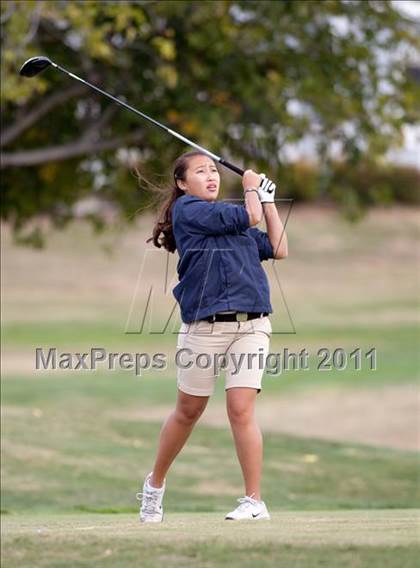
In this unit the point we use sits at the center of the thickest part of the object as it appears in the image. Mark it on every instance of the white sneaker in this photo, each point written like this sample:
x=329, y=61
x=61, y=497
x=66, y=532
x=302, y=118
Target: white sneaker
x=249, y=508
x=151, y=510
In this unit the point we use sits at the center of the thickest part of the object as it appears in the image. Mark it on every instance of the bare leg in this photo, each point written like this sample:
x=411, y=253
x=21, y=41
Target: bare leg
x=175, y=432
x=240, y=403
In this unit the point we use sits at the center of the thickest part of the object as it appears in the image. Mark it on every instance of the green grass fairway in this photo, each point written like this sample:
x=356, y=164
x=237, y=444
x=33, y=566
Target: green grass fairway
x=371, y=538
x=73, y=444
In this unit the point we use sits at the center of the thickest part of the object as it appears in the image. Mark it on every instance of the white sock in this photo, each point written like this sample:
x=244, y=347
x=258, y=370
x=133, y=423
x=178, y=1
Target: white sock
x=154, y=488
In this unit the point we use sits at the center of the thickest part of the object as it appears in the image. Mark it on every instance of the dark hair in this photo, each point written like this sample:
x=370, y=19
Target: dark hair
x=163, y=225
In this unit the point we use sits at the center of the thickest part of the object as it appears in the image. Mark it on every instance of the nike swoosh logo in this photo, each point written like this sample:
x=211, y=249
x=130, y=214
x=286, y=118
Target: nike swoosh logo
x=257, y=515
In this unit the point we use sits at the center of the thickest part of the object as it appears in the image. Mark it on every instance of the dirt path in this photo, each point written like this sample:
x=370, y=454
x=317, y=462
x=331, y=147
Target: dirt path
x=381, y=417
x=386, y=416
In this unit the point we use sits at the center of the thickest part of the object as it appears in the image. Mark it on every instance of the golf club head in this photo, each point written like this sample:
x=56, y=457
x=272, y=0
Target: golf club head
x=34, y=65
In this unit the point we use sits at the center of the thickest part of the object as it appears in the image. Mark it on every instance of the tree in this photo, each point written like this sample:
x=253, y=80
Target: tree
x=242, y=78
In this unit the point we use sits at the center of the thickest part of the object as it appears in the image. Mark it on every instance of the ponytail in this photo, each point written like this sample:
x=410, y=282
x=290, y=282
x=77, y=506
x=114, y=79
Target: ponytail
x=163, y=225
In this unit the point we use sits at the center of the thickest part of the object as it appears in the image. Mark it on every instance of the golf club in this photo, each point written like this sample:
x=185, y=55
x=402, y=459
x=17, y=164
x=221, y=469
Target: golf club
x=35, y=65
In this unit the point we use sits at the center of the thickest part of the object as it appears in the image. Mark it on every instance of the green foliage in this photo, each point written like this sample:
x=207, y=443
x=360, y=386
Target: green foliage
x=300, y=180
x=356, y=187
x=404, y=184
x=352, y=187
x=228, y=74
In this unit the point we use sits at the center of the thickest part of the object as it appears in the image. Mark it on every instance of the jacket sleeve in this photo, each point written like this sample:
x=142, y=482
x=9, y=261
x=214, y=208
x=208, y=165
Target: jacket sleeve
x=218, y=218
x=265, y=248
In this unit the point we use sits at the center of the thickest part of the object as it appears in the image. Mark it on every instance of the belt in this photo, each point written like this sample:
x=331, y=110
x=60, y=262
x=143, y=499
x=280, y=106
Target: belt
x=237, y=316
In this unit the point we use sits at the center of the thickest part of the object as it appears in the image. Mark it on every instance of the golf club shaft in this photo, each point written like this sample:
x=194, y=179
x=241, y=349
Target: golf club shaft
x=219, y=159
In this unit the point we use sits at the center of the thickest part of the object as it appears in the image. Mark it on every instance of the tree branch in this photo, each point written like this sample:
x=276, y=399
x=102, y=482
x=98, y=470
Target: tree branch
x=66, y=151
x=8, y=13
x=35, y=19
x=12, y=132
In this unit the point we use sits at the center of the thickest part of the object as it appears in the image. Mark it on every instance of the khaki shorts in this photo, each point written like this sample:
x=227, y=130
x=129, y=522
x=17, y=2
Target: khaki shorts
x=205, y=350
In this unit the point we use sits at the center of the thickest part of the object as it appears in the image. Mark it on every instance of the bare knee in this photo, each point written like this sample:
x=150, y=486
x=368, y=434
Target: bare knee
x=187, y=412
x=240, y=414
x=188, y=415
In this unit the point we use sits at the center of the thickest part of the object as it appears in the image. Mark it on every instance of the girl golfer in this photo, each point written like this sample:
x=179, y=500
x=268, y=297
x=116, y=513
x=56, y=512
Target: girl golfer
x=224, y=299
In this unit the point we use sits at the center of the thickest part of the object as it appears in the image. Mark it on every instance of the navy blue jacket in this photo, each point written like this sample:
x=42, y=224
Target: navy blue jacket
x=220, y=256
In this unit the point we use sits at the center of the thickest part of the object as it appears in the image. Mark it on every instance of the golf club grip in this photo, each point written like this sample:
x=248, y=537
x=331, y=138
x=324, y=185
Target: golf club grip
x=231, y=167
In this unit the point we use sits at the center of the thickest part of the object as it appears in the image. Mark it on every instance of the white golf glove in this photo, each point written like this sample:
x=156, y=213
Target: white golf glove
x=266, y=190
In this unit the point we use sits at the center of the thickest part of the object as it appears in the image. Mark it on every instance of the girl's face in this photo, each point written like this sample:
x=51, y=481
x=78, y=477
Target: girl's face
x=201, y=178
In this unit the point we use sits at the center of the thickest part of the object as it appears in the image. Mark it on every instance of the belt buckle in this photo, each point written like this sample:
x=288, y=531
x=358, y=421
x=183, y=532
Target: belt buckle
x=241, y=316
